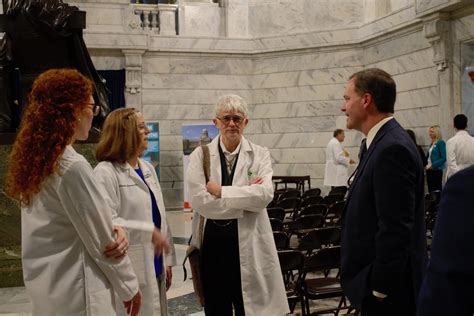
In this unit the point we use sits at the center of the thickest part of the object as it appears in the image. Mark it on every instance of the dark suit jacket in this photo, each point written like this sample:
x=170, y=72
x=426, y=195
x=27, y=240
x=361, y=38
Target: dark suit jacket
x=384, y=236
x=448, y=288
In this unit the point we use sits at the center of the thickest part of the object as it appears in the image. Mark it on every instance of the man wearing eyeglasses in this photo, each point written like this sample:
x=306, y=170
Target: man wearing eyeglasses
x=241, y=273
x=383, y=248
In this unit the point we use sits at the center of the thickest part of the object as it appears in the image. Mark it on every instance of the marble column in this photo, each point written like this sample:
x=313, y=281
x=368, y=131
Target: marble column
x=133, y=77
x=437, y=30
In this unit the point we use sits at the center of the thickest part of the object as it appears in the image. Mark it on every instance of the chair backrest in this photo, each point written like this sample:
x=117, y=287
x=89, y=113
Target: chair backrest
x=333, y=198
x=281, y=240
x=312, y=199
x=289, y=193
x=290, y=204
x=338, y=190
x=335, y=211
x=311, y=192
x=314, y=209
x=324, y=259
x=306, y=222
x=318, y=238
x=276, y=212
x=277, y=225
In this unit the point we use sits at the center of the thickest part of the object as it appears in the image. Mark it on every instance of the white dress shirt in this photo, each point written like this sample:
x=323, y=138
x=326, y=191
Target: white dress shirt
x=460, y=150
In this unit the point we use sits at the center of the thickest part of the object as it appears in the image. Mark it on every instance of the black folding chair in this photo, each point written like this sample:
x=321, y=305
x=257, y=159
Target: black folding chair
x=311, y=192
x=292, y=264
x=277, y=225
x=276, y=212
x=281, y=240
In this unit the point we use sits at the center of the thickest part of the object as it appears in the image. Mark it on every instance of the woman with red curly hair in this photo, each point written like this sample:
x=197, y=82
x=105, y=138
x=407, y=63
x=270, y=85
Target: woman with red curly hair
x=66, y=222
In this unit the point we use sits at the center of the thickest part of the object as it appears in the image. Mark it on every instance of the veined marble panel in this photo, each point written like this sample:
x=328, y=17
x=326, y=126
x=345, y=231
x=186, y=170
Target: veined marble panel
x=297, y=109
x=392, y=21
x=286, y=17
x=298, y=94
x=110, y=40
x=201, y=44
x=423, y=78
x=417, y=98
x=200, y=20
x=410, y=62
x=303, y=140
x=306, y=40
x=298, y=155
x=102, y=62
x=299, y=169
x=192, y=81
x=395, y=47
x=423, y=6
x=303, y=77
x=179, y=112
x=186, y=96
x=291, y=125
x=427, y=116
x=463, y=28
x=171, y=174
x=237, y=19
x=310, y=60
x=171, y=142
x=197, y=64
x=171, y=158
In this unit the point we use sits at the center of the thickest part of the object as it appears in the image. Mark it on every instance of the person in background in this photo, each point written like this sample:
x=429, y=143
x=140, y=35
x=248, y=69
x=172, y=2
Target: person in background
x=436, y=159
x=383, y=246
x=132, y=185
x=460, y=147
x=66, y=222
x=447, y=288
x=337, y=161
x=420, y=150
x=240, y=267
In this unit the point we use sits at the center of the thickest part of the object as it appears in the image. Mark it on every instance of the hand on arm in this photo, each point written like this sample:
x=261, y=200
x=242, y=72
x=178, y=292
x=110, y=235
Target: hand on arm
x=118, y=248
x=214, y=189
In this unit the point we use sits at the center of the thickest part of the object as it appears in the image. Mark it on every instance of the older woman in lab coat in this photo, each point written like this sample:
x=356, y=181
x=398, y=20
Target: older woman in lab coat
x=66, y=223
x=240, y=267
x=132, y=184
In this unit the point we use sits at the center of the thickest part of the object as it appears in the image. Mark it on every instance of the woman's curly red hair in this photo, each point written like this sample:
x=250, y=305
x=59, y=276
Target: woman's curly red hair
x=55, y=103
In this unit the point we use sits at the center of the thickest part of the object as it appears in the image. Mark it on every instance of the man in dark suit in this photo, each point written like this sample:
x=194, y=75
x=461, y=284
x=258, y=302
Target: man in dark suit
x=383, y=251
x=448, y=286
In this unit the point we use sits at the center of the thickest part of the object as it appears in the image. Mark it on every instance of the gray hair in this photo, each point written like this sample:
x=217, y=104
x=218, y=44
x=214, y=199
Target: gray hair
x=231, y=103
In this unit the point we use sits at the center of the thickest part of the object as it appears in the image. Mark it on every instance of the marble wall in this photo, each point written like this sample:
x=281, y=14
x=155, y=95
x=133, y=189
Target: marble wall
x=290, y=60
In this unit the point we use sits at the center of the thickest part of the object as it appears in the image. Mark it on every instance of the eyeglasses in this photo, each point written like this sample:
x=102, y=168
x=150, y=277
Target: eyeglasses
x=237, y=119
x=95, y=108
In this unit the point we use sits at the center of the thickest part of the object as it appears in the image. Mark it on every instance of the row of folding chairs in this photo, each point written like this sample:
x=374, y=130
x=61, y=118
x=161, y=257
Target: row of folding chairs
x=309, y=239
x=303, y=286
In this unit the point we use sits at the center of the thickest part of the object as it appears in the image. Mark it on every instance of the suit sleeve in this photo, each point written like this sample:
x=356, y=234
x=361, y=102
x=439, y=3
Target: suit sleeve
x=395, y=182
x=447, y=288
x=91, y=216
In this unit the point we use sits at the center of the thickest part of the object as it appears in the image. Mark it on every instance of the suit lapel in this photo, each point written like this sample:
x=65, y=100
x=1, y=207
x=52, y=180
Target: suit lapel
x=378, y=137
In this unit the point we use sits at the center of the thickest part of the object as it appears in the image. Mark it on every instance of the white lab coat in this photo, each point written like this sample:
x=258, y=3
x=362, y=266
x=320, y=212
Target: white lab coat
x=263, y=290
x=65, y=230
x=460, y=152
x=132, y=209
x=335, y=172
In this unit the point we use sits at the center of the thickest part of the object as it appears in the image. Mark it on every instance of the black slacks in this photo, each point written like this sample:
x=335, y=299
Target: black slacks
x=434, y=179
x=221, y=269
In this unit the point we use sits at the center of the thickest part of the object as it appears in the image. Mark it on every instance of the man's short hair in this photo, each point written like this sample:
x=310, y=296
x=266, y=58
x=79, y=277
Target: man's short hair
x=337, y=132
x=380, y=85
x=460, y=121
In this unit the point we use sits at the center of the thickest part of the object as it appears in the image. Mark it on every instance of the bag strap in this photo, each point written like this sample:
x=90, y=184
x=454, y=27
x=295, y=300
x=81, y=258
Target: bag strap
x=206, y=165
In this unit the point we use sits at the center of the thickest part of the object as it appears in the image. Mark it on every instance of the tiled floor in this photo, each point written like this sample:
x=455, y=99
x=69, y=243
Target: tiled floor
x=15, y=302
